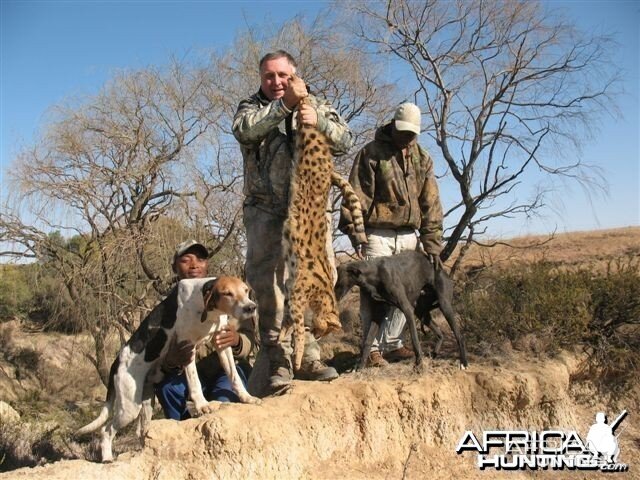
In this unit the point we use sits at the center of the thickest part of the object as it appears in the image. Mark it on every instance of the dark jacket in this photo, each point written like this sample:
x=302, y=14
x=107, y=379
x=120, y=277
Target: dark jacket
x=396, y=192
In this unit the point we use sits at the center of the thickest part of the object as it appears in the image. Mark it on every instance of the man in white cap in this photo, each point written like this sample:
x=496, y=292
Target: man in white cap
x=394, y=179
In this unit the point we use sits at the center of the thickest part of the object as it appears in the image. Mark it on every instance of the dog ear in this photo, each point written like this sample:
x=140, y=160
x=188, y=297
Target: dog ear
x=348, y=275
x=375, y=294
x=210, y=297
x=353, y=270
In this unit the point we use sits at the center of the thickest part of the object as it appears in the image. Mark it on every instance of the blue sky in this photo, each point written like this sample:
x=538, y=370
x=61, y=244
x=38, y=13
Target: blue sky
x=53, y=49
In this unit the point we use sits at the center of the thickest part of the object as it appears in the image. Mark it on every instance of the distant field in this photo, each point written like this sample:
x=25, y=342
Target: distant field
x=590, y=249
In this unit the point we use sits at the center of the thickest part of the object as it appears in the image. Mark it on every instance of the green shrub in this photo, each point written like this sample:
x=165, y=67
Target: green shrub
x=598, y=312
x=15, y=294
x=613, y=339
x=528, y=300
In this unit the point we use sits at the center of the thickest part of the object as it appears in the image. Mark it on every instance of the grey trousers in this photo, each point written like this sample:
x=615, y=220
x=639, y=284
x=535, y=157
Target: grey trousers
x=266, y=274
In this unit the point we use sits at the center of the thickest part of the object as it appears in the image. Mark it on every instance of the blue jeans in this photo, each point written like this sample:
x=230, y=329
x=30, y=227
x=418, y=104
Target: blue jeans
x=173, y=392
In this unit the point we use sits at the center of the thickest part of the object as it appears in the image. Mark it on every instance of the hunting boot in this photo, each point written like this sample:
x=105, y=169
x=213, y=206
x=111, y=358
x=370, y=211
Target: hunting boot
x=398, y=355
x=316, y=370
x=312, y=367
x=376, y=360
x=280, y=371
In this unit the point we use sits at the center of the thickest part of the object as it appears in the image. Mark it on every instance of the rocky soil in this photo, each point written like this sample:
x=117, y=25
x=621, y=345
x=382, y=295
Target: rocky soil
x=384, y=424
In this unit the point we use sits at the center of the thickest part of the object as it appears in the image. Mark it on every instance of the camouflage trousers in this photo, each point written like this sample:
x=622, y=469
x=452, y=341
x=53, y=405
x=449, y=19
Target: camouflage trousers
x=266, y=274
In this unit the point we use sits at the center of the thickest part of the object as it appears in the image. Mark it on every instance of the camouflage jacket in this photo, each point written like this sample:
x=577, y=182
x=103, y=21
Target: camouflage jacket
x=396, y=194
x=261, y=125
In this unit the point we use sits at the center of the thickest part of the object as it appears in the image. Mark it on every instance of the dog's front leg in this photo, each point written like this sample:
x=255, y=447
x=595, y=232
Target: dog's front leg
x=407, y=309
x=229, y=365
x=374, y=327
x=452, y=319
x=200, y=403
x=230, y=368
x=433, y=326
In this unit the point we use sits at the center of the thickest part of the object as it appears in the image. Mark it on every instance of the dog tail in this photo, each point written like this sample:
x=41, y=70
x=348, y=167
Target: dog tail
x=108, y=404
x=97, y=423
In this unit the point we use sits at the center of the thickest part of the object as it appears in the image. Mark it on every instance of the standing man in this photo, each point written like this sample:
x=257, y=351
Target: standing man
x=393, y=177
x=191, y=260
x=264, y=127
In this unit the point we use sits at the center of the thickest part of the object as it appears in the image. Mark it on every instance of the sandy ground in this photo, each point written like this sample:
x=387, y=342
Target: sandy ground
x=380, y=424
x=390, y=423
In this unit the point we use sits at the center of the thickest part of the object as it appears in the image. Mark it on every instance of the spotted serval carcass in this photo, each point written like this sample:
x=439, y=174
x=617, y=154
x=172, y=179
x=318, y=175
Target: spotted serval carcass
x=310, y=271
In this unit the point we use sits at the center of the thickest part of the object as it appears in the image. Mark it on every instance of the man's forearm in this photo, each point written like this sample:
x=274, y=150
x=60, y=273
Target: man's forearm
x=252, y=124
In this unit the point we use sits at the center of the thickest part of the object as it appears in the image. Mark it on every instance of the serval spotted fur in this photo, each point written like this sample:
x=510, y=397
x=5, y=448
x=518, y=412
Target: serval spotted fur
x=310, y=270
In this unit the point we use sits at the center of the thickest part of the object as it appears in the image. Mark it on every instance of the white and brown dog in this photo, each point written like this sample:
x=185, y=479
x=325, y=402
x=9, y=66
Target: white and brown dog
x=194, y=311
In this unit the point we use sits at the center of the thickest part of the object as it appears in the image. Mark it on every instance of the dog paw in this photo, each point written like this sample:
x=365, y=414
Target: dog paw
x=208, y=408
x=421, y=367
x=251, y=399
x=203, y=409
x=463, y=367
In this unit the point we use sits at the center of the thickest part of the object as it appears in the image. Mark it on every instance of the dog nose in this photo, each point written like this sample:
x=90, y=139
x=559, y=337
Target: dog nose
x=249, y=308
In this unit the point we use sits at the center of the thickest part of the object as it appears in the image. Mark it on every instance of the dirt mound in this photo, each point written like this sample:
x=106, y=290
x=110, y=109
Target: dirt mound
x=33, y=361
x=389, y=423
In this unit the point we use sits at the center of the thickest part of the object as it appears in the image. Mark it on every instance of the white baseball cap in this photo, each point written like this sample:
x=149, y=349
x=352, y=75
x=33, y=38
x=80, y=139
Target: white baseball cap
x=407, y=118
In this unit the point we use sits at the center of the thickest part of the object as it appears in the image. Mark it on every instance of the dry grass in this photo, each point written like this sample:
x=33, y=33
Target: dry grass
x=592, y=249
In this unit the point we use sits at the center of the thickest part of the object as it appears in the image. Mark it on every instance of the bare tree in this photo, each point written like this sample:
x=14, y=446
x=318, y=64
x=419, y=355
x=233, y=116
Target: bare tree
x=151, y=160
x=506, y=85
x=129, y=174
